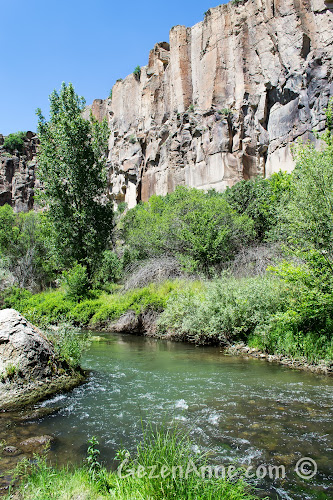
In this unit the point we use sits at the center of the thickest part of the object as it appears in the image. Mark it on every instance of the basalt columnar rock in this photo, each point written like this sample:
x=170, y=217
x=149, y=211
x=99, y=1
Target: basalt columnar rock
x=223, y=101
x=29, y=367
x=17, y=174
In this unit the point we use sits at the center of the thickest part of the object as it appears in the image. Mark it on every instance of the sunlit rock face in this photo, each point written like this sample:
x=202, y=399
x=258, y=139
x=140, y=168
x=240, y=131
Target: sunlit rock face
x=223, y=101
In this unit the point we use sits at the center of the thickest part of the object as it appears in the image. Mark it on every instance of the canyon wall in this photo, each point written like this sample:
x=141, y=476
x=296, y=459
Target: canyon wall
x=223, y=101
x=17, y=174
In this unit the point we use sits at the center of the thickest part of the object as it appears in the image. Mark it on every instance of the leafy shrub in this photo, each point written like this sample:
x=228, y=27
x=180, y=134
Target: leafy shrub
x=55, y=307
x=260, y=200
x=223, y=310
x=14, y=297
x=137, y=72
x=7, y=231
x=305, y=327
x=26, y=248
x=44, y=308
x=306, y=221
x=14, y=142
x=305, y=224
x=152, y=297
x=82, y=312
x=283, y=335
x=76, y=282
x=109, y=270
x=200, y=229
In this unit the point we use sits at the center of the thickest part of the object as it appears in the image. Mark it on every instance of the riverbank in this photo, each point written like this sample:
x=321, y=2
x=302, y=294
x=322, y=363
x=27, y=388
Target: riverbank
x=248, y=317
x=241, y=349
x=237, y=410
x=147, y=324
x=164, y=466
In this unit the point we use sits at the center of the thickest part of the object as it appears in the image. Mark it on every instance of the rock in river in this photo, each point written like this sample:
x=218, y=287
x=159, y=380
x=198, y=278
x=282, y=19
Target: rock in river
x=29, y=367
x=35, y=443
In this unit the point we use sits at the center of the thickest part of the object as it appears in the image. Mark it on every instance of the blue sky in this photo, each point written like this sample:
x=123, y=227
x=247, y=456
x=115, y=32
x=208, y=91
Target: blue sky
x=89, y=43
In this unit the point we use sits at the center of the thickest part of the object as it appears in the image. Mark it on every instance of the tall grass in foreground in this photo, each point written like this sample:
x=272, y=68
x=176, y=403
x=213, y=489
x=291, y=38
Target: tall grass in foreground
x=162, y=450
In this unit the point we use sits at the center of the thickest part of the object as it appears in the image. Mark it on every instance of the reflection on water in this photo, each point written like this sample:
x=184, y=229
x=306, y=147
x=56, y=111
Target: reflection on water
x=248, y=411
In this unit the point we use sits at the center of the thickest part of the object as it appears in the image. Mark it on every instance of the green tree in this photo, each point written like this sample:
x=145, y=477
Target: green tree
x=71, y=167
x=25, y=248
x=260, y=200
x=307, y=219
x=200, y=228
x=306, y=226
x=137, y=72
x=14, y=142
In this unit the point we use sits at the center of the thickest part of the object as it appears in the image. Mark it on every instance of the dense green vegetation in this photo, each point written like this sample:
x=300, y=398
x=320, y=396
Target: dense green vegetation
x=201, y=229
x=26, y=250
x=80, y=256
x=95, y=310
x=71, y=167
x=167, y=451
x=260, y=199
x=14, y=142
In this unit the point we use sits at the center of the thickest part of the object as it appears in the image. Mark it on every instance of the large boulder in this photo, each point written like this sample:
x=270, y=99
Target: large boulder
x=29, y=367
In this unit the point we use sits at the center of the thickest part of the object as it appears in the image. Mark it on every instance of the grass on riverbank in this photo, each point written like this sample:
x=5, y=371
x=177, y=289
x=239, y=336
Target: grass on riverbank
x=278, y=316
x=96, y=310
x=167, y=451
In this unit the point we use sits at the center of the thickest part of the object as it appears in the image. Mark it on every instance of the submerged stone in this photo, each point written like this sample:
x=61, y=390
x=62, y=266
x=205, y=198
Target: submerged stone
x=34, y=443
x=11, y=450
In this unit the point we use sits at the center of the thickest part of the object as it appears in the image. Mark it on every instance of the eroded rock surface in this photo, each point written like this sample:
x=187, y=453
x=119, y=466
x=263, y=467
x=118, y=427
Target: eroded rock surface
x=17, y=175
x=220, y=102
x=223, y=101
x=29, y=368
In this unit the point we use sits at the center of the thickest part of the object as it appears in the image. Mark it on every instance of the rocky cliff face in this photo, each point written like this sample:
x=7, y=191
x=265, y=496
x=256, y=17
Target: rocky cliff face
x=17, y=175
x=223, y=101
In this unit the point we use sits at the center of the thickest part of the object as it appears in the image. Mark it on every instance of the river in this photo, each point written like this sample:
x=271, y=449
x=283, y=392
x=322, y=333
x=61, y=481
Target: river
x=245, y=411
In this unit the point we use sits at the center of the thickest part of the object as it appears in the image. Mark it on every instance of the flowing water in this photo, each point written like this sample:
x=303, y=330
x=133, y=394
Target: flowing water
x=245, y=411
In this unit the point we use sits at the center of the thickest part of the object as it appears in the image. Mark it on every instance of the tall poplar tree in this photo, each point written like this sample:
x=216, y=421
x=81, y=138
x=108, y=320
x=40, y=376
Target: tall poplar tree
x=72, y=171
